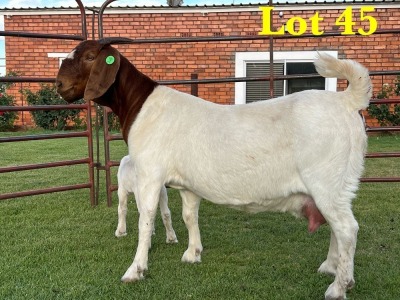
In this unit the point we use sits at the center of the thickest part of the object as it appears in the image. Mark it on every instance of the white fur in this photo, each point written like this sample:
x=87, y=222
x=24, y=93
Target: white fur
x=71, y=55
x=266, y=156
x=126, y=186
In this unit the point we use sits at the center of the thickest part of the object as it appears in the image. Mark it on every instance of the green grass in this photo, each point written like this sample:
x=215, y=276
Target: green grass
x=56, y=246
x=383, y=167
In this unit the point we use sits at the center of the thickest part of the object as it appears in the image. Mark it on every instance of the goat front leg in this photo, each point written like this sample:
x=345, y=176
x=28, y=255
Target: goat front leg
x=122, y=210
x=190, y=214
x=166, y=217
x=148, y=208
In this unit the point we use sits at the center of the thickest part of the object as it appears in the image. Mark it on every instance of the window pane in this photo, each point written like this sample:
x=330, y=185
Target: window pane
x=259, y=90
x=298, y=85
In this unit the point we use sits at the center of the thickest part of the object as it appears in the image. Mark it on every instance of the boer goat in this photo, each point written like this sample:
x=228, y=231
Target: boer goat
x=127, y=185
x=302, y=153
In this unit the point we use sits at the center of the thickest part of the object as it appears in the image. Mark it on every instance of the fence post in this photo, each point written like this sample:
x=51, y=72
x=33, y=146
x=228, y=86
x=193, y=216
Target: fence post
x=194, y=90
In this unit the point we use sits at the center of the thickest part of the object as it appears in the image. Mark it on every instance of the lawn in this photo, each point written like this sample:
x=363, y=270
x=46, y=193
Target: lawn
x=56, y=246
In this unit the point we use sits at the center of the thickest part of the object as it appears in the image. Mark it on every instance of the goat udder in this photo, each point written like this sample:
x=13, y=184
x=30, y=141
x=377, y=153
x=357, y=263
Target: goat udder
x=314, y=216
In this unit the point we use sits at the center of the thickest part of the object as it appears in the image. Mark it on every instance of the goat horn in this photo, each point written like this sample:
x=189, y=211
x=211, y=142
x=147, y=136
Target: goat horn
x=115, y=40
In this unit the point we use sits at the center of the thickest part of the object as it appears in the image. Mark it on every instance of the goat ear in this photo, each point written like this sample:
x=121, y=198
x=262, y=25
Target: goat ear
x=103, y=73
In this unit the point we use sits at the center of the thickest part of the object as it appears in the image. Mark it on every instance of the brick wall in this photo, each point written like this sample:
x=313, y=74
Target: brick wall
x=29, y=56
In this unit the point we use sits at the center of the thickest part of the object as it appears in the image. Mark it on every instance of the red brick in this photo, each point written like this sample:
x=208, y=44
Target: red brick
x=215, y=59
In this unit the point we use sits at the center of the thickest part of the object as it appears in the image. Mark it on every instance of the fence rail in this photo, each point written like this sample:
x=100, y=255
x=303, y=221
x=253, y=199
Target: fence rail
x=45, y=165
x=87, y=133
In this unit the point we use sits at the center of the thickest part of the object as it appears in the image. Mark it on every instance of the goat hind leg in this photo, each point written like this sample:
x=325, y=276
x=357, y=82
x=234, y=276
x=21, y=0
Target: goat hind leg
x=329, y=266
x=166, y=217
x=346, y=234
x=122, y=210
x=344, y=228
x=190, y=214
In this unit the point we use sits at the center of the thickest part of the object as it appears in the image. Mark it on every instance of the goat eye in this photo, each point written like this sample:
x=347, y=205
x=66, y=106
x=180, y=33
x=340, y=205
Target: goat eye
x=90, y=57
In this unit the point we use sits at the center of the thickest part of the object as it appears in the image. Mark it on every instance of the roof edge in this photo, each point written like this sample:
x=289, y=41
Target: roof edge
x=307, y=5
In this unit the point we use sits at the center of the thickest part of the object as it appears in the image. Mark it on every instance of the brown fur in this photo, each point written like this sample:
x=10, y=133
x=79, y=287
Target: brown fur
x=119, y=85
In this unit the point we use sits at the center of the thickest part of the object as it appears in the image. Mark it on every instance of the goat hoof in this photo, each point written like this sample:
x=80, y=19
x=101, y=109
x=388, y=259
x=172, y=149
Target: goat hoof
x=119, y=234
x=172, y=240
x=351, y=284
x=334, y=298
x=126, y=279
x=334, y=293
x=191, y=257
x=134, y=273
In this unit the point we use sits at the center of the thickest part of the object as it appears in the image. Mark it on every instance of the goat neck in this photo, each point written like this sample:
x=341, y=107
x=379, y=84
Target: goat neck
x=127, y=95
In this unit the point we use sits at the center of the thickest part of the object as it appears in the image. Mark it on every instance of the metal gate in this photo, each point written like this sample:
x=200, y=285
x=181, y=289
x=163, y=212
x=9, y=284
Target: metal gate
x=87, y=133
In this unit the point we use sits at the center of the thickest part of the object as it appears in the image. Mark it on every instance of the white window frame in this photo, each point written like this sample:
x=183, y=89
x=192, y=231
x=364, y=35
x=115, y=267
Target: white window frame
x=242, y=58
x=60, y=55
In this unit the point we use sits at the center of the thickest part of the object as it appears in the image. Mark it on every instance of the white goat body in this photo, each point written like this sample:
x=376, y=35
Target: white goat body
x=127, y=185
x=302, y=153
x=256, y=156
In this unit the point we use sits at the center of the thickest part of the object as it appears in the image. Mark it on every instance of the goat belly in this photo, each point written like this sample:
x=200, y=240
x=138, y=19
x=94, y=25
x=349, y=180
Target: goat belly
x=292, y=204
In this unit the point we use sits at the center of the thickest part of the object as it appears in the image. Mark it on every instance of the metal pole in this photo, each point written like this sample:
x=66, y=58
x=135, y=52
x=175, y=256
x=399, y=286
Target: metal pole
x=83, y=19
x=271, y=57
x=107, y=166
x=101, y=11
x=91, y=165
x=194, y=90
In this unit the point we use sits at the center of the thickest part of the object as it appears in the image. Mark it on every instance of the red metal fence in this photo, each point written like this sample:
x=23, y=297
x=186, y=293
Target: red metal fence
x=87, y=133
x=108, y=137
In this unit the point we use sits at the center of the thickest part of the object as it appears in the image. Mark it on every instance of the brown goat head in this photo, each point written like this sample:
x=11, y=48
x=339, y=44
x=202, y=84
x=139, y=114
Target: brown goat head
x=88, y=71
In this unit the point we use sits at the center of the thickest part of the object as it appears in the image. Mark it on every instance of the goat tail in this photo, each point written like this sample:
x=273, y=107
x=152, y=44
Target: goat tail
x=360, y=87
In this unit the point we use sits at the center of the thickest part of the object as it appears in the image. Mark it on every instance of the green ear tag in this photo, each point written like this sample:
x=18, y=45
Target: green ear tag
x=110, y=60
